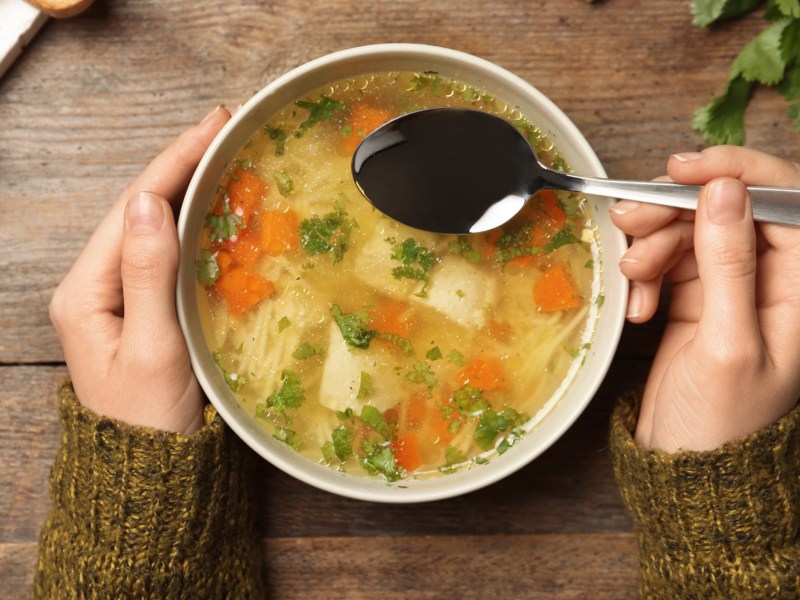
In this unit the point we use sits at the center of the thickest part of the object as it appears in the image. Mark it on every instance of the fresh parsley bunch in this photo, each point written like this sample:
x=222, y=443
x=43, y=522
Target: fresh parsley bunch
x=772, y=58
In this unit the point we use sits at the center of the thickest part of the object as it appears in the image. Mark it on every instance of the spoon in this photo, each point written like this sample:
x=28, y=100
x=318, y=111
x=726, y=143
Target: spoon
x=452, y=170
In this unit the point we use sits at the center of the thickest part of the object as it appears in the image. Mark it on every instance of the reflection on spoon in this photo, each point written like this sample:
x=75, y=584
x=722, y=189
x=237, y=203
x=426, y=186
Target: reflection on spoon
x=452, y=170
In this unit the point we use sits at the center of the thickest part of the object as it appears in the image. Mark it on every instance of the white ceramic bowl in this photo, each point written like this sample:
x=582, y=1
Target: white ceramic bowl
x=566, y=405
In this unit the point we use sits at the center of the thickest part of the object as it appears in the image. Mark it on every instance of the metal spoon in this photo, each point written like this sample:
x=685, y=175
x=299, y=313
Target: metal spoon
x=452, y=170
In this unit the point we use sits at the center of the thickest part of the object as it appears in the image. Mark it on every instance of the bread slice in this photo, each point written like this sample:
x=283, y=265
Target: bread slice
x=61, y=9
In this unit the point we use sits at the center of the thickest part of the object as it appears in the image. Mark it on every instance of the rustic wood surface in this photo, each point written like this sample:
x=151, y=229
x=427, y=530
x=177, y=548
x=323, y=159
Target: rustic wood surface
x=95, y=97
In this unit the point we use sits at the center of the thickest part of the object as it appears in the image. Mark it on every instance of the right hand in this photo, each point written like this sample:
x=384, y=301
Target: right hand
x=729, y=362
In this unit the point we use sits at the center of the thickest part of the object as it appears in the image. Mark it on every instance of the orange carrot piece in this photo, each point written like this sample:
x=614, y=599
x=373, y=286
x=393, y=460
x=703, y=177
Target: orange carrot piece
x=555, y=290
x=245, y=247
x=224, y=261
x=407, y=451
x=484, y=373
x=243, y=289
x=416, y=412
x=279, y=232
x=393, y=317
x=364, y=120
x=245, y=192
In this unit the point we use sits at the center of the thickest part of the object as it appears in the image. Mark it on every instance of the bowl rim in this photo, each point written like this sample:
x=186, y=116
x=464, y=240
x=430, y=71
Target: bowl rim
x=292, y=463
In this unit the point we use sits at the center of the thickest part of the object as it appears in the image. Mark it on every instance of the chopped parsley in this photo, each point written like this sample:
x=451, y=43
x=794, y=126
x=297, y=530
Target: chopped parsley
x=373, y=417
x=434, y=353
x=207, y=268
x=380, y=459
x=470, y=401
x=421, y=373
x=283, y=324
x=278, y=135
x=318, y=112
x=491, y=424
x=287, y=436
x=234, y=381
x=365, y=386
x=306, y=350
x=416, y=261
x=461, y=246
x=290, y=394
x=405, y=345
x=353, y=327
x=562, y=238
x=223, y=226
x=342, y=442
x=455, y=357
x=329, y=234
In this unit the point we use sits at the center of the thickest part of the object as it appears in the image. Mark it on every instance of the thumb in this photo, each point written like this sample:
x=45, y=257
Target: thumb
x=725, y=247
x=148, y=270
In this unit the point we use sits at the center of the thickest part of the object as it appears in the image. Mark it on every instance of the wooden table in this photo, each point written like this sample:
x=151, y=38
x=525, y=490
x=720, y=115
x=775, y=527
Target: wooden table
x=94, y=98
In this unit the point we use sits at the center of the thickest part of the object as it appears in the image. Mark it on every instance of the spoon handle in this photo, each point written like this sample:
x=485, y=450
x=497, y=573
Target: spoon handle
x=770, y=204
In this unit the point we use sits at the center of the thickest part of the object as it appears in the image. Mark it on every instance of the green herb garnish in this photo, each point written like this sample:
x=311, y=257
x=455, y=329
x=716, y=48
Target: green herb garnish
x=283, y=324
x=234, y=381
x=287, y=436
x=461, y=246
x=318, y=112
x=328, y=234
x=306, y=350
x=373, y=417
x=225, y=225
x=416, y=261
x=771, y=59
x=353, y=327
x=380, y=459
x=206, y=268
x=290, y=394
x=434, y=353
x=278, y=135
x=365, y=386
x=421, y=373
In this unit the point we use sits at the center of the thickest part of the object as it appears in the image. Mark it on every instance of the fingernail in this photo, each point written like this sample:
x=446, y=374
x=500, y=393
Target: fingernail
x=625, y=206
x=687, y=156
x=211, y=114
x=726, y=201
x=634, y=302
x=144, y=213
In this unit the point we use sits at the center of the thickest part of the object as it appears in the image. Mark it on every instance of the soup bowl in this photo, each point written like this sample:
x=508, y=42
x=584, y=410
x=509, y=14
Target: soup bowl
x=609, y=289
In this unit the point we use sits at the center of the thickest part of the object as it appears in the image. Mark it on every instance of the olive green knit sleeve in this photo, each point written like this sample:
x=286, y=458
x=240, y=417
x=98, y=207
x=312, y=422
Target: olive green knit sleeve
x=719, y=524
x=140, y=513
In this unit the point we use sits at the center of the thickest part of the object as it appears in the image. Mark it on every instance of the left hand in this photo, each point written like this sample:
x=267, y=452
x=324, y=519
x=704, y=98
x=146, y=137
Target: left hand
x=114, y=312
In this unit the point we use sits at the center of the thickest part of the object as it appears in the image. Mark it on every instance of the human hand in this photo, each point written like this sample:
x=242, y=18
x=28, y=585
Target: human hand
x=114, y=312
x=728, y=362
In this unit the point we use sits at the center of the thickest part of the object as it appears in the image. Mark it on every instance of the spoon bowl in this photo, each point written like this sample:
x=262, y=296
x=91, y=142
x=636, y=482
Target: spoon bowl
x=460, y=171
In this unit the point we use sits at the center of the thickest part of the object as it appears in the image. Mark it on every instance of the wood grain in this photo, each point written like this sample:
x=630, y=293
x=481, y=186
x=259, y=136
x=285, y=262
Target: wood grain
x=94, y=98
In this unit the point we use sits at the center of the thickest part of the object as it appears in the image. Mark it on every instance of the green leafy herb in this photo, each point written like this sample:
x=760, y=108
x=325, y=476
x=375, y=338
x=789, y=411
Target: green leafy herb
x=290, y=394
x=206, y=268
x=470, y=402
x=562, y=238
x=318, y=112
x=515, y=241
x=353, y=327
x=455, y=357
x=234, y=381
x=454, y=456
x=278, y=135
x=306, y=350
x=365, y=386
x=461, y=246
x=346, y=414
x=434, y=353
x=373, y=417
x=405, y=345
x=492, y=424
x=328, y=234
x=380, y=459
x=284, y=182
x=772, y=58
x=283, y=324
x=421, y=373
x=342, y=441
x=416, y=261
x=223, y=226
x=289, y=437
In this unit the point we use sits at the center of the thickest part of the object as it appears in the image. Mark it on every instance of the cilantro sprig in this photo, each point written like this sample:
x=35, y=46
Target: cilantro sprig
x=416, y=262
x=771, y=59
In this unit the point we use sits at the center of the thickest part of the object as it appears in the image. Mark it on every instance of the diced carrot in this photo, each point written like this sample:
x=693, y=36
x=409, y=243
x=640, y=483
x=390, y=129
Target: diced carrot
x=392, y=317
x=224, y=261
x=245, y=192
x=484, y=373
x=245, y=248
x=243, y=289
x=407, y=451
x=279, y=232
x=555, y=290
x=416, y=411
x=364, y=120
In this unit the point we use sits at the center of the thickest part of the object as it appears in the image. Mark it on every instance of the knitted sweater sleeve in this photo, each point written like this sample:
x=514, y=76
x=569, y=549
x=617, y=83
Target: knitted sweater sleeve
x=719, y=524
x=139, y=513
